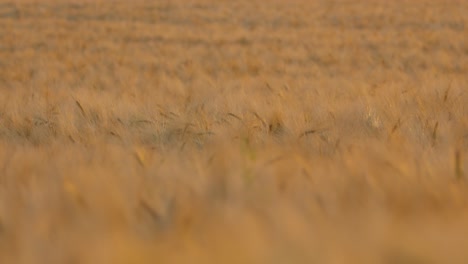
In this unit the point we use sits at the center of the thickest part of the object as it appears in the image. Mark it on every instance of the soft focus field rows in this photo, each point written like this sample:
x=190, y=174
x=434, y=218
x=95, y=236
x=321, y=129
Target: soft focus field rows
x=233, y=132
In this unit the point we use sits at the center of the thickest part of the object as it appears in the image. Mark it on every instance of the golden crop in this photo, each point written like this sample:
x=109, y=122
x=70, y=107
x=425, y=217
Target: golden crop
x=233, y=131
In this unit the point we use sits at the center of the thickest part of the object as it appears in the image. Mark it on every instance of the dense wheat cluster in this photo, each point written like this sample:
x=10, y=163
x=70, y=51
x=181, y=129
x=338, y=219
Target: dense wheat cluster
x=233, y=132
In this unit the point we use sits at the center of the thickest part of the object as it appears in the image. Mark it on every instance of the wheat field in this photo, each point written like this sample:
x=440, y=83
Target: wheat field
x=206, y=131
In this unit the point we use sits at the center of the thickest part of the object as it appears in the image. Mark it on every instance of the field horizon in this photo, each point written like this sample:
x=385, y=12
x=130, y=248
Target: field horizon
x=233, y=132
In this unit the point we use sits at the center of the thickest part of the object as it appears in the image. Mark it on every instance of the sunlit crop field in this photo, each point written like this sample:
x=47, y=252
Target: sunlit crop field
x=233, y=132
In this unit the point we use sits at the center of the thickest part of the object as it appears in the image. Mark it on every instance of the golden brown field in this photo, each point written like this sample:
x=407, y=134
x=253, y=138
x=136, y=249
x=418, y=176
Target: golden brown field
x=234, y=132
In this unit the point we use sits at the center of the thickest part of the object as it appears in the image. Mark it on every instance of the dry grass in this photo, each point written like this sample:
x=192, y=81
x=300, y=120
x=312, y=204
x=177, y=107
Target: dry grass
x=233, y=132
